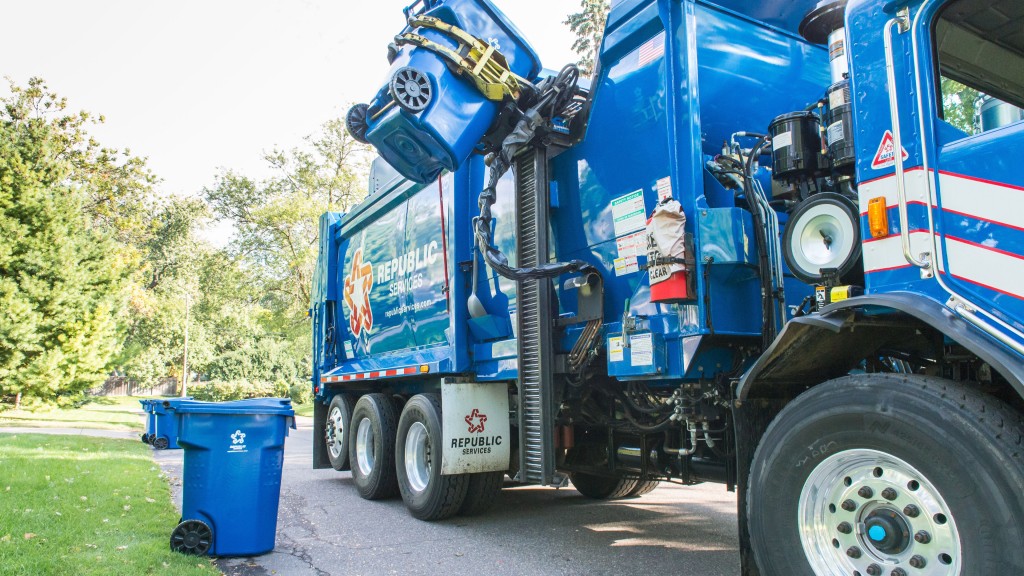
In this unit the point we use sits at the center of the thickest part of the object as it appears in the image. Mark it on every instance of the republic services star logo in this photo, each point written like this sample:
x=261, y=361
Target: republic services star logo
x=476, y=421
x=358, y=284
x=237, y=437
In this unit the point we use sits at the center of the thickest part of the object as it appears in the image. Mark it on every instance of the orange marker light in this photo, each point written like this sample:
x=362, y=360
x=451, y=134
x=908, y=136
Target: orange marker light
x=424, y=368
x=878, y=217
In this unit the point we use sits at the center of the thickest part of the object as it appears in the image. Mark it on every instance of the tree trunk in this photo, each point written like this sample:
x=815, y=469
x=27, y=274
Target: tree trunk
x=17, y=401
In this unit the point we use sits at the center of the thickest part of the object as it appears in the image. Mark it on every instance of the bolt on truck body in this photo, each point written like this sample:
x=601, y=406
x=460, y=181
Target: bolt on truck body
x=750, y=249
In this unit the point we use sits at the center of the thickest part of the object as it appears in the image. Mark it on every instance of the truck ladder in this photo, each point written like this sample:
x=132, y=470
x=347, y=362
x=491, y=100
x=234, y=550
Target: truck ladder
x=536, y=397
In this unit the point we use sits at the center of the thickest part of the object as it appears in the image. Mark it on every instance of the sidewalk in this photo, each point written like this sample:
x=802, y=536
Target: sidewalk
x=123, y=434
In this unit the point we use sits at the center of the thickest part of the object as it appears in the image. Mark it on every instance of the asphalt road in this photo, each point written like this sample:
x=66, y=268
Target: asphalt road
x=325, y=528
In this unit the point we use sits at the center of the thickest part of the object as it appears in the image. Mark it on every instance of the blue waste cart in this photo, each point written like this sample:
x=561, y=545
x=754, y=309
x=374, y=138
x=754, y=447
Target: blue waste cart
x=440, y=115
x=234, y=452
x=161, y=422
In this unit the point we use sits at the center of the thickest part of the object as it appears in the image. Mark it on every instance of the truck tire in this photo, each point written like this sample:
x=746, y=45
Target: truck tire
x=482, y=492
x=887, y=473
x=371, y=451
x=603, y=487
x=643, y=487
x=336, y=431
x=427, y=494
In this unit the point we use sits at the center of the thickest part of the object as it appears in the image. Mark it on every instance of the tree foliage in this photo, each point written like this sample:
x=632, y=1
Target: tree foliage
x=100, y=274
x=67, y=210
x=277, y=218
x=588, y=25
x=959, y=105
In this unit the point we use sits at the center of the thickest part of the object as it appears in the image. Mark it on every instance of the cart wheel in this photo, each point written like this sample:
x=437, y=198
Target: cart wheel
x=160, y=443
x=411, y=89
x=356, y=123
x=192, y=537
x=145, y=438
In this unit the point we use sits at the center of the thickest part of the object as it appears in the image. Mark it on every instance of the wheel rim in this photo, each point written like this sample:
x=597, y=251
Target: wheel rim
x=364, y=447
x=870, y=513
x=335, y=433
x=417, y=457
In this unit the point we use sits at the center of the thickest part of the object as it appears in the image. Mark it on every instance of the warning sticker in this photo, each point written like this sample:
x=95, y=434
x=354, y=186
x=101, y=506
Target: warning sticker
x=885, y=157
x=664, y=187
x=641, y=349
x=626, y=265
x=631, y=245
x=628, y=213
x=615, y=349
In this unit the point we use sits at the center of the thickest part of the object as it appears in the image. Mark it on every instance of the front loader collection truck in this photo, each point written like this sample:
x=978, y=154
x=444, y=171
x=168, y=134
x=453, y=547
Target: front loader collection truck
x=752, y=248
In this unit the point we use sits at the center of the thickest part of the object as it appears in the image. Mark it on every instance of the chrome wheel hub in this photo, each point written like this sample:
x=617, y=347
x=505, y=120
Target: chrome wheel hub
x=418, y=459
x=867, y=513
x=335, y=433
x=364, y=447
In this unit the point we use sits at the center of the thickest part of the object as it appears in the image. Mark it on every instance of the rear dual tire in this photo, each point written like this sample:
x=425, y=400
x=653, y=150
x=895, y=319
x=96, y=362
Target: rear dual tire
x=427, y=493
x=371, y=450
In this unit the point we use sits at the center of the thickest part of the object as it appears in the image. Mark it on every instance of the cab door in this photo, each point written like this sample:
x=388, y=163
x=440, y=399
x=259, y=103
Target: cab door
x=975, y=53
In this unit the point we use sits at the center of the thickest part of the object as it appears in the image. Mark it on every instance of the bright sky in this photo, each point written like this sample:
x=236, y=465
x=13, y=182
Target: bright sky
x=196, y=85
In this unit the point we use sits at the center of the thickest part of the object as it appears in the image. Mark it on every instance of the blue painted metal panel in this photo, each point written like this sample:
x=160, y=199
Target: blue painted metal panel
x=643, y=130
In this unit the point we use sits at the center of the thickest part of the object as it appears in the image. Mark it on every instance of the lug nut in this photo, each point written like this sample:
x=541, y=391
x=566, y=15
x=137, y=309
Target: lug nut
x=865, y=492
x=918, y=561
x=845, y=528
x=922, y=537
x=911, y=511
x=898, y=572
x=889, y=494
x=849, y=505
x=853, y=552
x=874, y=570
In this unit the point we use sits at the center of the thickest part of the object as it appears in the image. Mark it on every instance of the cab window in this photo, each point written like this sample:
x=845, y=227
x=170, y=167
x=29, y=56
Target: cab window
x=980, y=48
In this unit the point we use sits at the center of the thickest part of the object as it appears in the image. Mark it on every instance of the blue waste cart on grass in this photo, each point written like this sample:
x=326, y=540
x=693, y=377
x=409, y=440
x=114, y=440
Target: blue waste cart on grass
x=161, y=422
x=234, y=452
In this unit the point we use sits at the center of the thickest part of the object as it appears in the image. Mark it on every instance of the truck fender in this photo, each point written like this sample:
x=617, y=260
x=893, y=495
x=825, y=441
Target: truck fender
x=815, y=348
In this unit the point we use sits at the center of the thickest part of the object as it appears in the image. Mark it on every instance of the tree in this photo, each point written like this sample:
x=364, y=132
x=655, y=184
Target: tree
x=958, y=105
x=588, y=25
x=63, y=270
x=277, y=219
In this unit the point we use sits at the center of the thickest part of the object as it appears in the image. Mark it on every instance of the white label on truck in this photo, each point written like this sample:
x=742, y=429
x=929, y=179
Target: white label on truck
x=348, y=350
x=631, y=245
x=628, y=213
x=782, y=140
x=475, y=428
x=664, y=188
x=615, y=349
x=835, y=132
x=641, y=349
x=627, y=265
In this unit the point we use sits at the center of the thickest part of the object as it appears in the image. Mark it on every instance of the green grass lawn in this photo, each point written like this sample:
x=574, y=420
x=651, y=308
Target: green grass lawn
x=303, y=409
x=110, y=413
x=80, y=505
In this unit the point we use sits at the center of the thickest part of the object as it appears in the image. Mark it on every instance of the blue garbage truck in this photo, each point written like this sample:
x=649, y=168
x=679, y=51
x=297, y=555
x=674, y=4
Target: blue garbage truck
x=766, y=244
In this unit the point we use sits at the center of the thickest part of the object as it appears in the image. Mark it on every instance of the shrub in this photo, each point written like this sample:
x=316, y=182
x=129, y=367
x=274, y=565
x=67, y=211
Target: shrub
x=301, y=393
x=223, y=390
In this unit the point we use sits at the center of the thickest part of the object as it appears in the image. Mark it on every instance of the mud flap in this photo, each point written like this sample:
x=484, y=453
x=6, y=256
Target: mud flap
x=476, y=429
x=320, y=459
